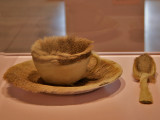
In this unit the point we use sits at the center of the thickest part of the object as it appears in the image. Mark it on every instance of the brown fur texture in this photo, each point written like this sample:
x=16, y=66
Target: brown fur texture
x=25, y=76
x=61, y=50
x=144, y=64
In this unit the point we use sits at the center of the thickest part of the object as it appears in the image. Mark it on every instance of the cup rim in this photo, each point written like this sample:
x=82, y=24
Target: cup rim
x=62, y=58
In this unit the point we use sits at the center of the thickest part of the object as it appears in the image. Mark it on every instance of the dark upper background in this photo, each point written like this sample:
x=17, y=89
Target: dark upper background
x=113, y=25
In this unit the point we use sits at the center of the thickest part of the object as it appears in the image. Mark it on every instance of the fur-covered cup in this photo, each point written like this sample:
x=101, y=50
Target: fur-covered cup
x=62, y=60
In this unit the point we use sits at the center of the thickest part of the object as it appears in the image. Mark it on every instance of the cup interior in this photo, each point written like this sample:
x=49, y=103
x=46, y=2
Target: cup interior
x=69, y=45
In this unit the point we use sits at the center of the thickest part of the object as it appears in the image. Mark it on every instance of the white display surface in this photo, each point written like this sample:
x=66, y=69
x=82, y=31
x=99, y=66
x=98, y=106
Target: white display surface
x=116, y=101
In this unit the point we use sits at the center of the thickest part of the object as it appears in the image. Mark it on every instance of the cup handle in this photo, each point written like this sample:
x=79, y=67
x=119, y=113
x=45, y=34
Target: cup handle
x=90, y=71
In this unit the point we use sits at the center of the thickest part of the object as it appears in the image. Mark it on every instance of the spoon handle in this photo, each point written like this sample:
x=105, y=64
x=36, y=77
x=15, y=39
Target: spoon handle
x=145, y=95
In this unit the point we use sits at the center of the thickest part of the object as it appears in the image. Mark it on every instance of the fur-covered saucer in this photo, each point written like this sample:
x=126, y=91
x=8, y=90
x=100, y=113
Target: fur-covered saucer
x=24, y=75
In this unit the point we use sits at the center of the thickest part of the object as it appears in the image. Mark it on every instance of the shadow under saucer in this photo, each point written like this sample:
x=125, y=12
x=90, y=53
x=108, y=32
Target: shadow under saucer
x=46, y=99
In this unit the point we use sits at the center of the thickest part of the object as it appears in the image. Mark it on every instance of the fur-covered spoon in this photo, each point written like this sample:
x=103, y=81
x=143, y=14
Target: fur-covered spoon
x=144, y=70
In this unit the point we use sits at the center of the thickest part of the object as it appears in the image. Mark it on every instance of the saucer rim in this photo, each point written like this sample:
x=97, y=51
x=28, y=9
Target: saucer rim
x=60, y=90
